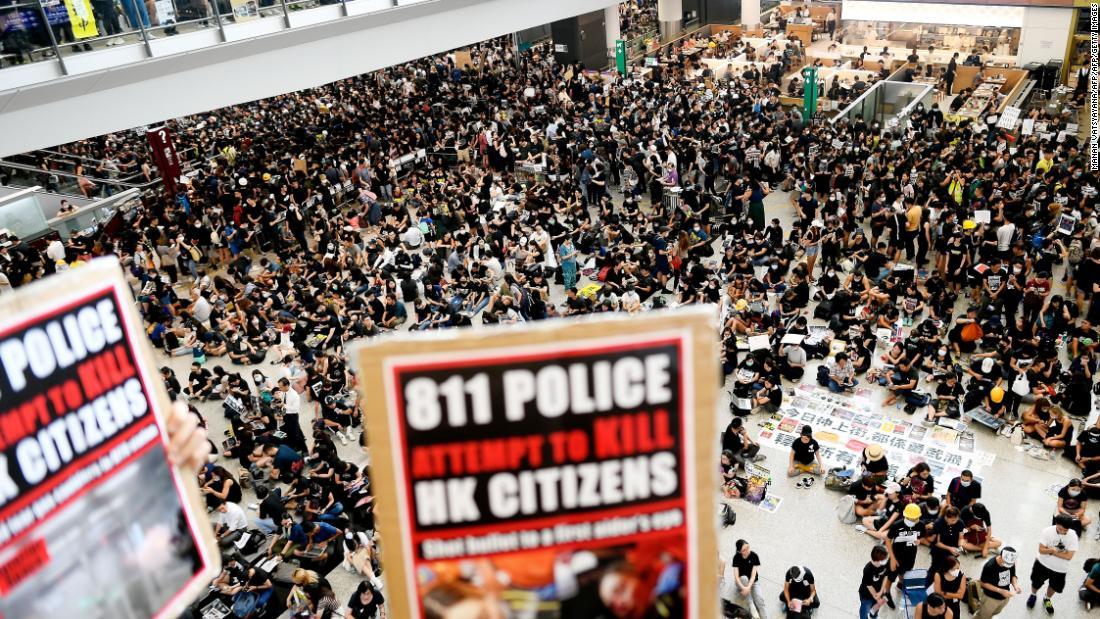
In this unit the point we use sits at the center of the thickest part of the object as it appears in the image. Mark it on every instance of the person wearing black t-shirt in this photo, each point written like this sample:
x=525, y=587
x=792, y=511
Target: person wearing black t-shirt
x=904, y=539
x=947, y=532
x=746, y=578
x=999, y=583
x=868, y=496
x=978, y=535
x=951, y=584
x=964, y=490
x=366, y=603
x=874, y=586
x=1087, y=455
x=805, y=455
x=799, y=596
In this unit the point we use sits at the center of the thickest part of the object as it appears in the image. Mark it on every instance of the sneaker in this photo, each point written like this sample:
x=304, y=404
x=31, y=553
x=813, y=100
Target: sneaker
x=759, y=458
x=343, y=439
x=890, y=602
x=254, y=507
x=861, y=528
x=1047, y=604
x=799, y=484
x=808, y=482
x=1031, y=601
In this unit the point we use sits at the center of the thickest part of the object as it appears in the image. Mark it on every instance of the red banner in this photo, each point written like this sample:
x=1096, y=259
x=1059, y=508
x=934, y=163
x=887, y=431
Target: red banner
x=164, y=155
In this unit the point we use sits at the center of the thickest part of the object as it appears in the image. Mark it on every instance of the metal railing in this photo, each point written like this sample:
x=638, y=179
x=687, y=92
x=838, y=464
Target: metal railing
x=41, y=31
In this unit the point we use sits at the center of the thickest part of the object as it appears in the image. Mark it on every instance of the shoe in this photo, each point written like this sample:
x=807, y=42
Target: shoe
x=808, y=482
x=759, y=458
x=861, y=528
x=1031, y=601
x=1047, y=604
x=890, y=602
x=254, y=507
x=343, y=439
x=799, y=484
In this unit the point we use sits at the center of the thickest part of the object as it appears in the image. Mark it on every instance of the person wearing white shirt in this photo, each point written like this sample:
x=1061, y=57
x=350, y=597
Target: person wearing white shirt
x=1004, y=236
x=292, y=402
x=229, y=522
x=413, y=237
x=1057, y=545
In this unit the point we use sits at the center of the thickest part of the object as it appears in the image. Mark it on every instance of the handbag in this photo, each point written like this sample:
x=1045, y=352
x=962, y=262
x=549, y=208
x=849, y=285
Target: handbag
x=1021, y=386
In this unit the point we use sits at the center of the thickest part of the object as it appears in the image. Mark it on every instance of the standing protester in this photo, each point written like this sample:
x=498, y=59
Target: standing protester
x=1057, y=545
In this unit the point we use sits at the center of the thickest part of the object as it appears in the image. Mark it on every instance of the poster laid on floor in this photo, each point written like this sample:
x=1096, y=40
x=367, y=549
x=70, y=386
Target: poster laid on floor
x=845, y=424
x=94, y=520
x=556, y=469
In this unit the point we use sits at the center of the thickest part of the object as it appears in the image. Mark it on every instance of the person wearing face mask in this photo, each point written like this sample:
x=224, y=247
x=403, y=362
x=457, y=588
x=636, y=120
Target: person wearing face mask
x=874, y=588
x=947, y=532
x=963, y=490
x=950, y=583
x=1073, y=503
x=903, y=539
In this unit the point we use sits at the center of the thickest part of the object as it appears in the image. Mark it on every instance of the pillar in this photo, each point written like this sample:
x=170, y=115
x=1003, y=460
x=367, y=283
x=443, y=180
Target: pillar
x=750, y=13
x=582, y=39
x=670, y=15
x=611, y=26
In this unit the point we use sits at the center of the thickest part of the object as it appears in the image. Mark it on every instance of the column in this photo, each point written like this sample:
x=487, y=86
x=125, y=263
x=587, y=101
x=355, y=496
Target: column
x=750, y=13
x=611, y=26
x=670, y=14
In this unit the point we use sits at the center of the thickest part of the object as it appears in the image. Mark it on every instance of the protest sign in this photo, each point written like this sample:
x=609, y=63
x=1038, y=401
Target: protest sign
x=94, y=520
x=546, y=466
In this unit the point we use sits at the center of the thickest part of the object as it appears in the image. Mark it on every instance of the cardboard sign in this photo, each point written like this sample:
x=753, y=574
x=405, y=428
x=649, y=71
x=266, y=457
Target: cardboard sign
x=527, y=465
x=89, y=502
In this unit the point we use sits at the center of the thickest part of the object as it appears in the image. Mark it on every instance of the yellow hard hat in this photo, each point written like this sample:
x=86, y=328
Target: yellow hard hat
x=997, y=394
x=912, y=511
x=970, y=224
x=741, y=305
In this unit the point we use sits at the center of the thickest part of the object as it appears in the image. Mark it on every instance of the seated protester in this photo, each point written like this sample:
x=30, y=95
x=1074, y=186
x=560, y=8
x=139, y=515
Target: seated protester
x=319, y=538
x=799, y=596
x=993, y=403
x=278, y=459
x=900, y=383
x=218, y=485
x=1073, y=502
x=1089, y=593
x=918, y=485
x=964, y=490
x=874, y=588
x=733, y=487
x=964, y=338
x=860, y=355
x=366, y=603
x=1057, y=433
x=805, y=458
x=933, y=606
x=792, y=361
x=947, y=401
x=229, y=522
x=769, y=398
x=736, y=441
x=1087, y=451
x=251, y=588
x=984, y=372
x=868, y=497
x=978, y=534
x=242, y=352
x=945, y=539
x=200, y=383
x=879, y=524
x=838, y=374
x=271, y=509
x=873, y=461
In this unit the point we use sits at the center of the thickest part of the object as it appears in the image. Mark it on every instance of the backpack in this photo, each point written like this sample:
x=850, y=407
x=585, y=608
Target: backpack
x=839, y=479
x=974, y=595
x=729, y=517
x=846, y=509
